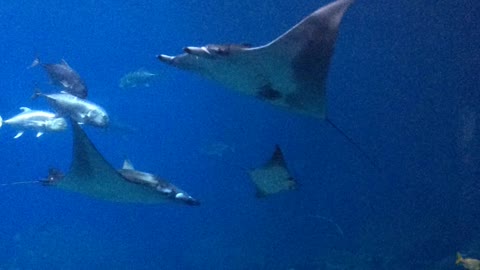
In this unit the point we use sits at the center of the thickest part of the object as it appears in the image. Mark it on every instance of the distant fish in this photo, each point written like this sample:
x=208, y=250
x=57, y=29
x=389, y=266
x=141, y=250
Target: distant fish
x=217, y=149
x=39, y=121
x=65, y=77
x=273, y=176
x=468, y=263
x=139, y=78
x=80, y=110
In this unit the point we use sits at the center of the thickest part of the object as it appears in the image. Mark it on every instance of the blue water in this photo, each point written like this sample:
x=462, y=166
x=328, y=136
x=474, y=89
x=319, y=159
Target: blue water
x=403, y=84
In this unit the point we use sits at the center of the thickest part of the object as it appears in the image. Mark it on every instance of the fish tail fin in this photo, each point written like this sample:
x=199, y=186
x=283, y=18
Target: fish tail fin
x=459, y=259
x=357, y=147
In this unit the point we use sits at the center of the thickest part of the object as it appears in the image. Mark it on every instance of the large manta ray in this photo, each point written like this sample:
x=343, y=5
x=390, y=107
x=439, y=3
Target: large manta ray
x=92, y=175
x=290, y=71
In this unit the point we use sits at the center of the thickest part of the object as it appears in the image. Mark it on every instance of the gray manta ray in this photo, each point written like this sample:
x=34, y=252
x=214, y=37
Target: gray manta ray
x=291, y=71
x=92, y=175
x=273, y=176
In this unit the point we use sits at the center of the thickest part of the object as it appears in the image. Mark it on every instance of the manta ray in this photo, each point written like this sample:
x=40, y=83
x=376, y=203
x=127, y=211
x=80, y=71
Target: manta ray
x=92, y=175
x=289, y=72
x=273, y=176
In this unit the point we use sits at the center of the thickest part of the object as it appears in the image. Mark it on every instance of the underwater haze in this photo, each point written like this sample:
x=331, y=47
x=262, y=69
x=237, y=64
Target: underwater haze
x=403, y=84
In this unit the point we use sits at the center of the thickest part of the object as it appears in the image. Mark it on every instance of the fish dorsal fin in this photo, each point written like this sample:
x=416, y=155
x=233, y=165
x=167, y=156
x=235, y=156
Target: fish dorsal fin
x=127, y=165
x=25, y=109
x=277, y=157
x=65, y=63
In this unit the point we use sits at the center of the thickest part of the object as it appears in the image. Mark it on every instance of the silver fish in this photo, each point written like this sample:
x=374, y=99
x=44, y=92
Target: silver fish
x=139, y=78
x=39, y=121
x=80, y=110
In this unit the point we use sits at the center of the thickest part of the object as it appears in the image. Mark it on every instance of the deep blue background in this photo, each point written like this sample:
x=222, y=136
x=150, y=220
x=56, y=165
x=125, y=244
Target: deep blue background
x=404, y=84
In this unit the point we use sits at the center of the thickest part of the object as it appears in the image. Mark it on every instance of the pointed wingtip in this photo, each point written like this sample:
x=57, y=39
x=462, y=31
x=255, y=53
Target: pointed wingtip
x=277, y=156
x=345, y=3
x=459, y=258
x=337, y=9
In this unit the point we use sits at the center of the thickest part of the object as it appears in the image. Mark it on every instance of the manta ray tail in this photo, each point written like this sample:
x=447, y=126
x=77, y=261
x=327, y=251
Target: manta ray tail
x=20, y=183
x=355, y=145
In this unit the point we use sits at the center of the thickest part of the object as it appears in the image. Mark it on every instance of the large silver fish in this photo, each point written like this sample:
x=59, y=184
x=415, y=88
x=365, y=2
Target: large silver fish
x=80, y=110
x=39, y=121
x=63, y=76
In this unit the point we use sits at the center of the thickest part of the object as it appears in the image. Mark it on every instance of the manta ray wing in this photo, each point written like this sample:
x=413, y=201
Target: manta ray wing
x=92, y=175
x=273, y=176
x=290, y=71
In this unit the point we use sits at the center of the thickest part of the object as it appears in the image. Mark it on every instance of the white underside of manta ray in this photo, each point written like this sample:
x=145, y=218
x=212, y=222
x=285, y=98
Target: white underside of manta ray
x=290, y=72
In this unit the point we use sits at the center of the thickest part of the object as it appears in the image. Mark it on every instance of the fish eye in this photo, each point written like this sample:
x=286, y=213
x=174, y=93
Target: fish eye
x=181, y=196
